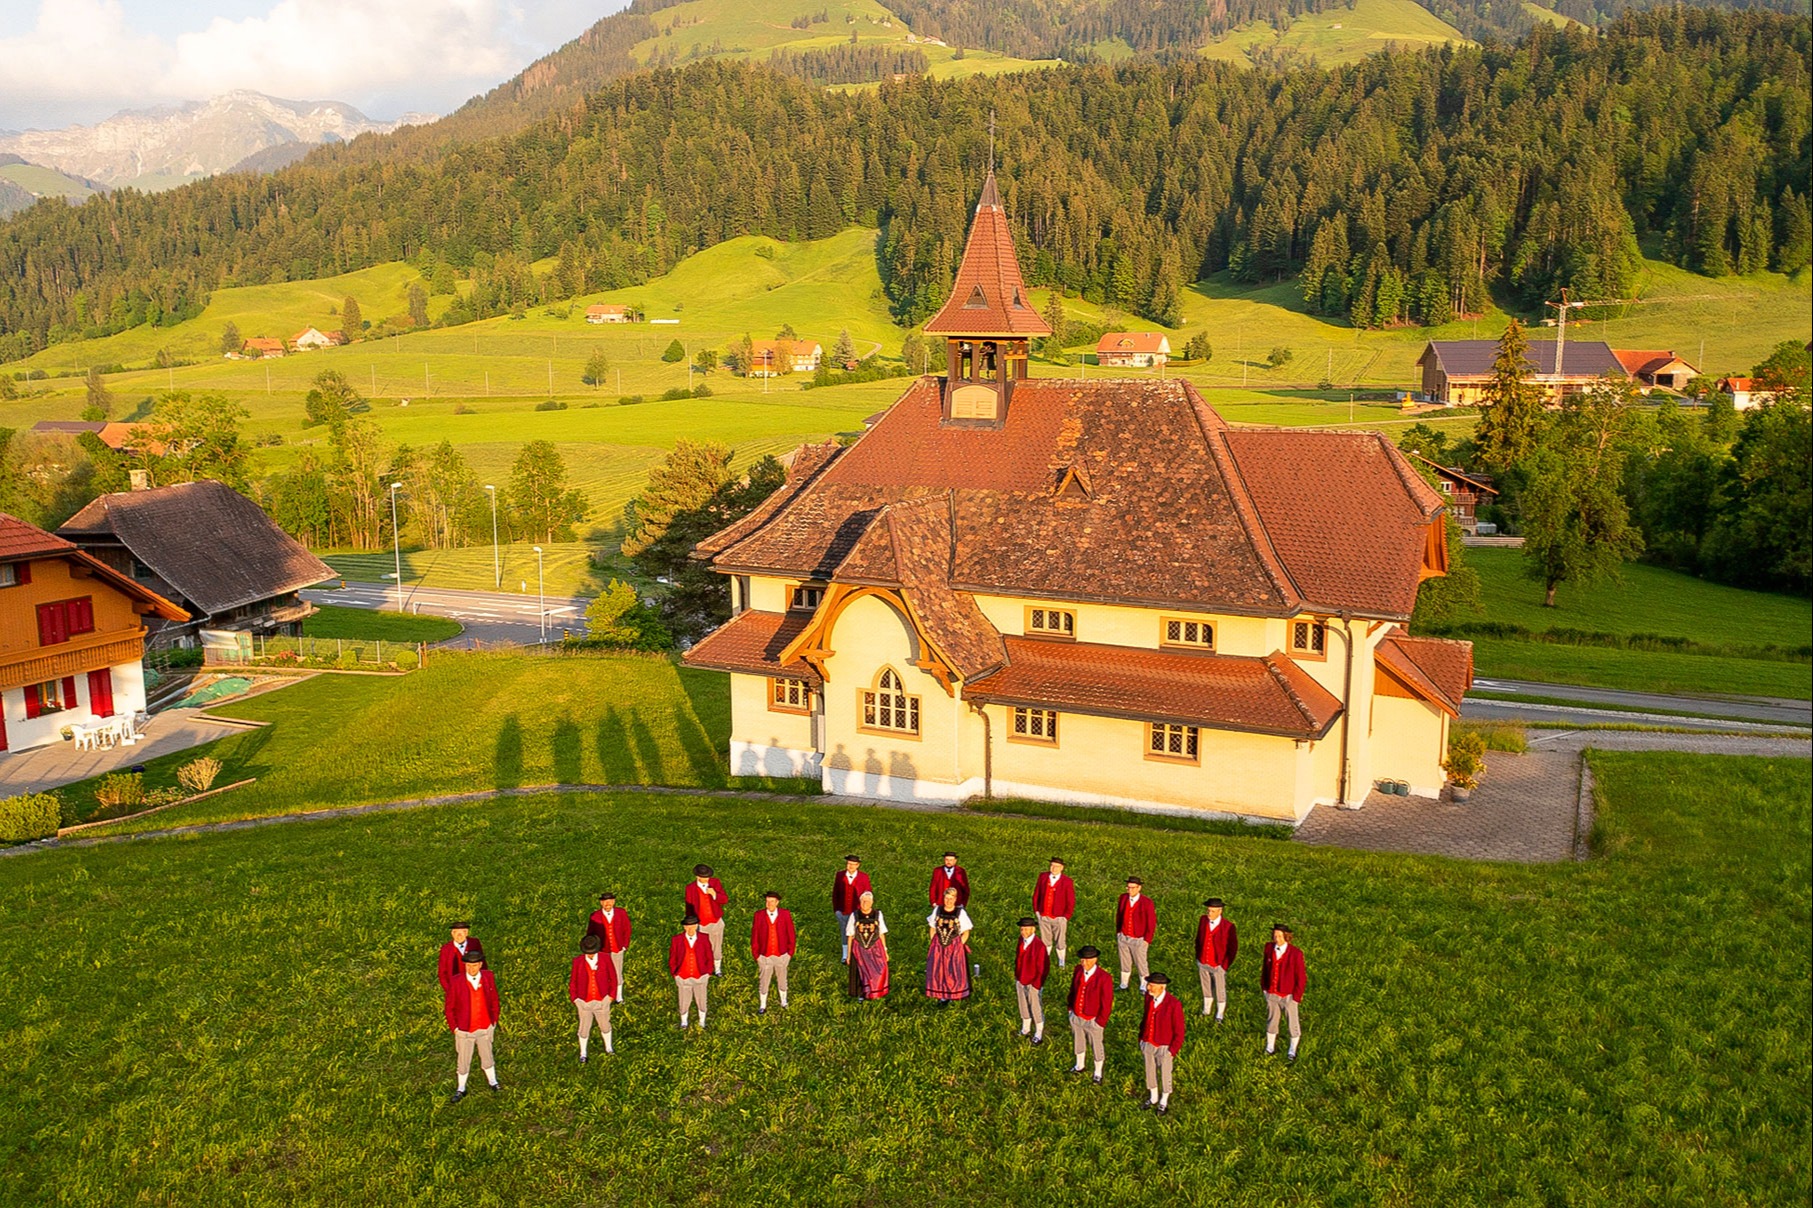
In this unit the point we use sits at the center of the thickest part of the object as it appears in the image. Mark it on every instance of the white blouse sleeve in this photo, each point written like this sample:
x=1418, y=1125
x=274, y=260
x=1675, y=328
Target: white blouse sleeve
x=881, y=922
x=931, y=920
x=963, y=923
x=850, y=924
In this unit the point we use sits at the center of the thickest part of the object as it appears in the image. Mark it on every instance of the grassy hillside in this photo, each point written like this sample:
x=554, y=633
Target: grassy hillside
x=1338, y=35
x=1632, y=1068
x=45, y=182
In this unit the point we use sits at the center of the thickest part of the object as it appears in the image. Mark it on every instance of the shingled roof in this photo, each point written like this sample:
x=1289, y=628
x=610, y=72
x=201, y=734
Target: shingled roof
x=19, y=541
x=1473, y=358
x=1438, y=669
x=752, y=642
x=990, y=297
x=212, y=544
x=1180, y=511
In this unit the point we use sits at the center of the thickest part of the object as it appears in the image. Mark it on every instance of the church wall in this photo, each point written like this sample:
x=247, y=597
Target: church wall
x=1408, y=740
x=765, y=741
x=1120, y=625
x=767, y=594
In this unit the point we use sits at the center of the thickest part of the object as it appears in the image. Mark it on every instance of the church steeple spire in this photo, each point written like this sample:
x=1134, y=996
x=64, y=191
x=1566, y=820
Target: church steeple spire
x=988, y=320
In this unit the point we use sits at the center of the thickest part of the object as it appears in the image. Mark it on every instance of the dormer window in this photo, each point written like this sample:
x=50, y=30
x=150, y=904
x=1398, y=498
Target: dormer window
x=1195, y=635
x=806, y=597
x=977, y=300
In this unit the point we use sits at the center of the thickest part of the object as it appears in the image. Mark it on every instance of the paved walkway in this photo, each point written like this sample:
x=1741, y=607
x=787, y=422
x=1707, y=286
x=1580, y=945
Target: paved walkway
x=61, y=763
x=1525, y=810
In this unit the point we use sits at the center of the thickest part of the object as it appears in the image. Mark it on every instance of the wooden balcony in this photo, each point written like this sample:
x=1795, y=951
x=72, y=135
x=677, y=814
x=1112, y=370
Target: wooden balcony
x=89, y=652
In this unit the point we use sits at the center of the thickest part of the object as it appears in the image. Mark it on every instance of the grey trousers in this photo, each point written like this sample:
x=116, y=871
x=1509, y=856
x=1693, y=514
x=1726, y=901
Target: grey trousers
x=692, y=990
x=1032, y=1006
x=617, y=964
x=1158, y=1066
x=1087, y=1030
x=1054, y=931
x=715, y=933
x=1214, y=981
x=594, y=1012
x=843, y=921
x=465, y=1042
x=772, y=968
x=1132, y=953
x=1276, y=1003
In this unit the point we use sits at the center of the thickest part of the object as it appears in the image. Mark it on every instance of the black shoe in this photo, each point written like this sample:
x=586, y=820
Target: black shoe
x=761, y=1010
x=1290, y=1059
x=1219, y=1021
x=494, y=1087
x=1039, y=1039
x=1164, y=1109
x=1098, y=1079
x=455, y=1097
x=1146, y=1105
x=582, y=1059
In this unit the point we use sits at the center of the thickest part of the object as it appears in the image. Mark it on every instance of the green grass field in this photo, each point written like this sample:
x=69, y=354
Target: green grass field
x=223, y=1019
x=1339, y=35
x=331, y=621
x=45, y=182
x=1650, y=600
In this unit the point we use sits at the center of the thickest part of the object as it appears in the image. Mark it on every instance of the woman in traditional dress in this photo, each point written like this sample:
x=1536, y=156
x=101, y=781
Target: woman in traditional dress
x=867, y=933
x=947, y=958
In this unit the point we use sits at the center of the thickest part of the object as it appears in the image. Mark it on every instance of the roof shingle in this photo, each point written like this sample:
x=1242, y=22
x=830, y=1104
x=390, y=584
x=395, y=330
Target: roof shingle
x=1473, y=358
x=752, y=642
x=1439, y=669
x=989, y=297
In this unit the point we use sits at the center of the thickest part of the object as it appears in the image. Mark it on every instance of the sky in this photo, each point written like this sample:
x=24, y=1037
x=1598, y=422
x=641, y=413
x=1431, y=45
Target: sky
x=79, y=61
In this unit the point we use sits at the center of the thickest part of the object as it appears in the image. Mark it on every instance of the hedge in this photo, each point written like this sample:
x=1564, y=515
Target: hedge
x=29, y=816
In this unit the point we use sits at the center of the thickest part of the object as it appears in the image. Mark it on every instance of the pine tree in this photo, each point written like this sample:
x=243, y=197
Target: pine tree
x=843, y=352
x=352, y=319
x=1512, y=417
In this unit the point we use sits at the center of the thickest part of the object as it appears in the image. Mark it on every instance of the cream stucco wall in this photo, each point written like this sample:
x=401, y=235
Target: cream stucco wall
x=1409, y=738
x=1120, y=625
x=765, y=741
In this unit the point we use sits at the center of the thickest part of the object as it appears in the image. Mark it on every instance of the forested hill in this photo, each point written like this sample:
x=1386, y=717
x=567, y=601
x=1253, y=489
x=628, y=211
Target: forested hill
x=1404, y=186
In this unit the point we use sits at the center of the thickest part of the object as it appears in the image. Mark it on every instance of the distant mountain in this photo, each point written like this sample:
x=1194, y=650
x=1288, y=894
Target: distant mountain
x=157, y=148
x=23, y=183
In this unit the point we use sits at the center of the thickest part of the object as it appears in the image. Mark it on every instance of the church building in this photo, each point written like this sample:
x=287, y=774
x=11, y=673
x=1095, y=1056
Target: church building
x=1094, y=592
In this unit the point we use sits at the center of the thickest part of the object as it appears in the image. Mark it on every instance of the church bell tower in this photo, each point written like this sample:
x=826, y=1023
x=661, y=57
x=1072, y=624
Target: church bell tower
x=987, y=323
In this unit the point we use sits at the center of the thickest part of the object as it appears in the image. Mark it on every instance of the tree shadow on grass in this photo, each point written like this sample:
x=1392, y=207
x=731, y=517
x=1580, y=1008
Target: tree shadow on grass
x=648, y=751
x=506, y=762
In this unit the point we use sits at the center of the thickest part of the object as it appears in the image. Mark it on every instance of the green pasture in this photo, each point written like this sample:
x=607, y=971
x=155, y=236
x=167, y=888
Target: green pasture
x=45, y=182
x=1474, y=1033
x=1342, y=34
x=370, y=624
x=1641, y=670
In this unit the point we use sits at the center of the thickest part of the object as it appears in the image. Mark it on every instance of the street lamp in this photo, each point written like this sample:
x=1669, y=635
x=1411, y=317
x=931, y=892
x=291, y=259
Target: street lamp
x=396, y=541
x=497, y=566
x=541, y=614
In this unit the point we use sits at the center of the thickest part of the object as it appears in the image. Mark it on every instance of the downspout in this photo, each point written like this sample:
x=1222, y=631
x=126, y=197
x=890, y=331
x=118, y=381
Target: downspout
x=988, y=752
x=1346, y=708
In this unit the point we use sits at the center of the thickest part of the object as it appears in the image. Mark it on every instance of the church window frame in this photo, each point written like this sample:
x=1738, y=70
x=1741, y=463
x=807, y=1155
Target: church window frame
x=1044, y=622
x=1309, y=639
x=1174, y=742
x=1037, y=727
x=888, y=708
x=789, y=695
x=1186, y=633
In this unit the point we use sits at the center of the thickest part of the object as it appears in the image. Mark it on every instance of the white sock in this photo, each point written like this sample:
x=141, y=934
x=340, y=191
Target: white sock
x=1164, y=1100
x=1060, y=958
x=1155, y=1094
x=1040, y=1030
x=463, y=1079
x=1271, y=1042
x=1079, y=1063
x=683, y=1020
x=582, y=1044
x=491, y=1075
x=1025, y=1026
x=718, y=969
x=764, y=1003
x=607, y=1043
x=1206, y=1004
x=620, y=996
x=1294, y=1040
x=1125, y=978
x=783, y=998
x=701, y=1021
x=1220, y=1009
x=1098, y=1069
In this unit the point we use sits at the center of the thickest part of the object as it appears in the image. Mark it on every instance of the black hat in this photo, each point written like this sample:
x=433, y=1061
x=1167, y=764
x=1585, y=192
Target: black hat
x=591, y=943
x=701, y=870
x=1215, y=902
x=1088, y=952
x=1136, y=881
x=1284, y=927
x=1057, y=860
x=474, y=956
x=462, y=925
x=608, y=896
x=771, y=894
x=1026, y=920
x=690, y=920
x=1158, y=979
x=951, y=855
x=852, y=859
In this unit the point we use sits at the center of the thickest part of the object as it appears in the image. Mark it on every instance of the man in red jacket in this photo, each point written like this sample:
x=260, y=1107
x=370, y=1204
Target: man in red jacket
x=1054, y=904
x=591, y=986
x=453, y=953
x=1031, y=965
x=1135, y=923
x=689, y=959
x=949, y=875
x=1091, y=1002
x=1160, y=1037
x=847, y=888
x=771, y=941
x=471, y=1010
x=705, y=897
x=1216, y=944
x=1283, y=979
x=612, y=926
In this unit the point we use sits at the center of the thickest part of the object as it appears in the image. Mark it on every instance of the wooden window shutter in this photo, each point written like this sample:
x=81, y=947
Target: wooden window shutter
x=52, y=624
x=81, y=615
x=100, y=692
x=34, y=702
x=24, y=572
x=69, y=692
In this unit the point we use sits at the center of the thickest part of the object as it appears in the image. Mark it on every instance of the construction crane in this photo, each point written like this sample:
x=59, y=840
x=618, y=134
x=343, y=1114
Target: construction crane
x=1566, y=304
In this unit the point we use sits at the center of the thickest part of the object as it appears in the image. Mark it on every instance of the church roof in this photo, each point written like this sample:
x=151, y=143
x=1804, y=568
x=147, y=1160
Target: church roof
x=752, y=642
x=1175, y=508
x=990, y=296
x=1438, y=669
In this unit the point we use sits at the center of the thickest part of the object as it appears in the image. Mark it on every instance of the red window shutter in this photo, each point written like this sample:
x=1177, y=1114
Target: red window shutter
x=24, y=573
x=3, y=728
x=100, y=692
x=69, y=692
x=50, y=624
x=34, y=701
x=81, y=615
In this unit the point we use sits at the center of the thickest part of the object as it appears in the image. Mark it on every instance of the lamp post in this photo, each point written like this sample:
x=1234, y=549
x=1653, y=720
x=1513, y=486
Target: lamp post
x=396, y=541
x=497, y=565
x=541, y=592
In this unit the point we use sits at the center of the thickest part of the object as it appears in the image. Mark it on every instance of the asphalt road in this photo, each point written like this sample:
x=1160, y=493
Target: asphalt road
x=1761, y=714
x=488, y=616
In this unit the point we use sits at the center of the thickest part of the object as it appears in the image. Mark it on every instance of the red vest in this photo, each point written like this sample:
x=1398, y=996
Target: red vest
x=1284, y=975
x=1054, y=901
x=1163, y=1024
x=1136, y=920
x=1216, y=946
x=1092, y=997
x=709, y=908
x=1031, y=963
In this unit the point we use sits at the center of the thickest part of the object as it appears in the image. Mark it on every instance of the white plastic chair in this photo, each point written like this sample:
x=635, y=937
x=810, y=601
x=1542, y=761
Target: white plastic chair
x=84, y=737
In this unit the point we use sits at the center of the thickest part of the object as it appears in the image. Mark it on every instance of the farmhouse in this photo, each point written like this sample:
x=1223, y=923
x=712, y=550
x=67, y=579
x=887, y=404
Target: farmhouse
x=1746, y=392
x=72, y=636
x=1654, y=367
x=1455, y=372
x=1134, y=349
x=771, y=358
x=116, y=435
x=311, y=338
x=605, y=313
x=261, y=346
x=208, y=547
x=1465, y=491
x=1085, y=591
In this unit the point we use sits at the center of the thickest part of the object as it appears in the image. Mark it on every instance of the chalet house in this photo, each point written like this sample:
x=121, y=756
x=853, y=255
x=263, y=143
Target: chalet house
x=1094, y=592
x=1464, y=490
x=771, y=358
x=1133, y=349
x=1746, y=392
x=604, y=313
x=259, y=347
x=206, y=546
x=119, y=436
x=1455, y=372
x=1654, y=368
x=311, y=338
x=72, y=636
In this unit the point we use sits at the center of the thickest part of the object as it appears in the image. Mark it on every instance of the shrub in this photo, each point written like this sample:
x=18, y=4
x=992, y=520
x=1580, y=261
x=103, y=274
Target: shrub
x=630, y=400
x=674, y=353
x=1466, y=762
x=677, y=393
x=551, y=405
x=29, y=816
x=121, y=791
x=184, y=656
x=701, y=391
x=198, y=775
x=1279, y=356
x=461, y=409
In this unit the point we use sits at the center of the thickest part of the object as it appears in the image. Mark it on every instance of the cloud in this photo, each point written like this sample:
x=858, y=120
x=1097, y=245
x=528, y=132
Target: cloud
x=85, y=56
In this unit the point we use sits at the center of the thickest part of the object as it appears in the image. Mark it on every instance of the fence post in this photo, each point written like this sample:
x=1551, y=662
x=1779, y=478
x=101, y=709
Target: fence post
x=339, y=649
x=380, y=652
